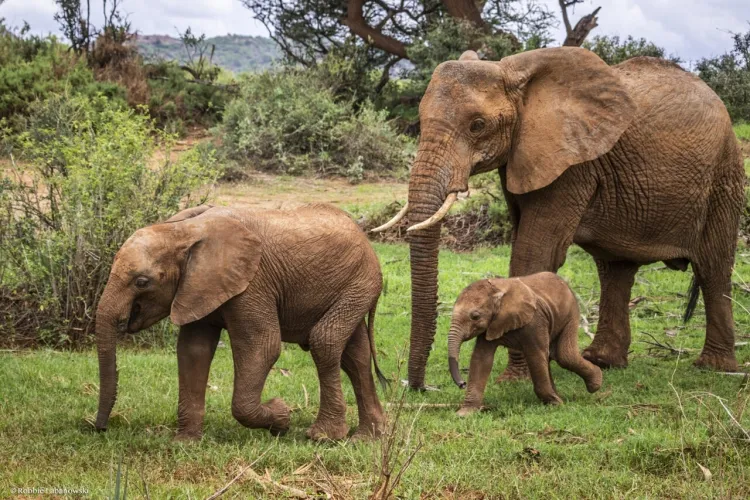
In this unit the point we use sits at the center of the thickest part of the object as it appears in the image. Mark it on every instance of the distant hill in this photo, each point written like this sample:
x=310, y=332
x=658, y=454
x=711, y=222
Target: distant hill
x=236, y=53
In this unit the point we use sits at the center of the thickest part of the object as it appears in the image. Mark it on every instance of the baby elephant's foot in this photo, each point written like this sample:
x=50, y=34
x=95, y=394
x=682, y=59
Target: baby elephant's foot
x=594, y=382
x=465, y=411
x=328, y=431
x=281, y=413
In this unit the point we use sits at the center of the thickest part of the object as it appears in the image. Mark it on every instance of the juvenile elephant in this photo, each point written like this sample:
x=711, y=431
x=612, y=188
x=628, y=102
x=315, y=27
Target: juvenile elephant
x=636, y=163
x=307, y=276
x=535, y=314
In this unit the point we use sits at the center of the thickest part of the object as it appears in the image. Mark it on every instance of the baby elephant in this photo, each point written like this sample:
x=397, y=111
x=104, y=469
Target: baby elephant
x=536, y=314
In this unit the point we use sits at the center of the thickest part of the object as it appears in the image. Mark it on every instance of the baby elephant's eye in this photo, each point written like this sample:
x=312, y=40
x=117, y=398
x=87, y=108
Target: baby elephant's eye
x=477, y=126
x=141, y=282
x=474, y=315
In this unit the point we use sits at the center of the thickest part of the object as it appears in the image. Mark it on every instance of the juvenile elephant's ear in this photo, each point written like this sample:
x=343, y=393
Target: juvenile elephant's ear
x=189, y=213
x=574, y=109
x=221, y=257
x=515, y=305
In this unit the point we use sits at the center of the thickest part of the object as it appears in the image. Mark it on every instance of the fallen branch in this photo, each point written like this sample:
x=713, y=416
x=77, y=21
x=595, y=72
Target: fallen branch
x=664, y=346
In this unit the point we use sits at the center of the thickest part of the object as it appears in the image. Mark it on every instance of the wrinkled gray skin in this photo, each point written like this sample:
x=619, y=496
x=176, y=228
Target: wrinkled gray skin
x=636, y=163
x=307, y=276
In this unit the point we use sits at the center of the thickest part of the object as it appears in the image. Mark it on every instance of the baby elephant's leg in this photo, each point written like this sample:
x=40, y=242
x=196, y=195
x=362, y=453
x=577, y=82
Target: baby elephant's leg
x=570, y=358
x=537, y=357
x=357, y=364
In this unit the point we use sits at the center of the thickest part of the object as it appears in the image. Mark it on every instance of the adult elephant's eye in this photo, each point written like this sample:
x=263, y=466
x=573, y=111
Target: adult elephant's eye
x=477, y=126
x=141, y=282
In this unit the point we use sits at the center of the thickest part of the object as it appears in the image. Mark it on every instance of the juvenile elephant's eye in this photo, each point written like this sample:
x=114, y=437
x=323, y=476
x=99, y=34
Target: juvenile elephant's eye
x=477, y=126
x=141, y=282
x=474, y=315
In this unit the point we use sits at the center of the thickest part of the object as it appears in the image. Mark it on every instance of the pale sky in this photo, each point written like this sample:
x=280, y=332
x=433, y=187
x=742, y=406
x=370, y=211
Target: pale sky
x=690, y=28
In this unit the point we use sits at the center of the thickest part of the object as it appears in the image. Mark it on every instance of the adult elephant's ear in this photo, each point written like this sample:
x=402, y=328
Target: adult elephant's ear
x=574, y=109
x=220, y=258
x=514, y=304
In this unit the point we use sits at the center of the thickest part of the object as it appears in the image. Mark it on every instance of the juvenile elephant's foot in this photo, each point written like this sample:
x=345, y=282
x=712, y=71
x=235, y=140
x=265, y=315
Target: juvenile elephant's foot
x=328, y=431
x=187, y=437
x=594, y=382
x=465, y=411
x=273, y=415
x=551, y=399
x=282, y=415
x=606, y=355
x=725, y=362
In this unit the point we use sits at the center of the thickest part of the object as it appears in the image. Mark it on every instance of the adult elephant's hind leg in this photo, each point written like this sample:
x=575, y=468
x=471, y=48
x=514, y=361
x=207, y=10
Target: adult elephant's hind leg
x=356, y=363
x=610, y=346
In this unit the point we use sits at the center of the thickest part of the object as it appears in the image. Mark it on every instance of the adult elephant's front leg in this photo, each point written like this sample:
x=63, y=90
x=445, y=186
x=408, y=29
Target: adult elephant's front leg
x=610, y=346
x=196, y=346
x=547, y=222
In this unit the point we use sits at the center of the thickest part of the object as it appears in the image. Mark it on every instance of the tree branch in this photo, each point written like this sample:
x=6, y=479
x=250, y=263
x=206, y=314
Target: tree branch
x=576, y=35
x=464, y=9
x=355, y=21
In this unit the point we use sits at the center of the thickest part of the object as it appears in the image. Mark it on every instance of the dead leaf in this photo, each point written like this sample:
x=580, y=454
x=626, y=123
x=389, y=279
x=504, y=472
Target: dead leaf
x=213, y=387
x=631, y=432
x=285, y=372
x=670, y=332
x=303, y=468
x=635, y=301
x=706, y=473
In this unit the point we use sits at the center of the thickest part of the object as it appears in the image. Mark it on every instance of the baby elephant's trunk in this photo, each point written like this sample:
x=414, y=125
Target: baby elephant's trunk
x=454, y=348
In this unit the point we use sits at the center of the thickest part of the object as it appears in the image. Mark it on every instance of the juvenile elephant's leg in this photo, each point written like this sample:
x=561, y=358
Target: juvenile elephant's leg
x=196, y=346
x=537, y=357
x=328, y=339
x=356, y=363
x=256, y=345
x=568, y=356
x=718, y=349
x=610, y=346
x=482, y=359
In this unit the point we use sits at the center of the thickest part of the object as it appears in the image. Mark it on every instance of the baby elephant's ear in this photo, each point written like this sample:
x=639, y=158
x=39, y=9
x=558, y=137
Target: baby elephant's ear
x=515, y=305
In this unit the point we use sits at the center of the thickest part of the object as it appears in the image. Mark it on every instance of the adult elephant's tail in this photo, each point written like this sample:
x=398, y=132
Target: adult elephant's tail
x=693, y=293
x=371, y=335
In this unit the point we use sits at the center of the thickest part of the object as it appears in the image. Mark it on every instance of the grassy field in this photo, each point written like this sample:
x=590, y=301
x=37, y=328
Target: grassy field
x=659, y=428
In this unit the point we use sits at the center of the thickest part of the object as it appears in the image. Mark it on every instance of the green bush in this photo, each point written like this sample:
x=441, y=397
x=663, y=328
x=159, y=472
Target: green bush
x=33, y=68
x=85, y=179
x=289, y=122
x=614, y=51
x=729, y=76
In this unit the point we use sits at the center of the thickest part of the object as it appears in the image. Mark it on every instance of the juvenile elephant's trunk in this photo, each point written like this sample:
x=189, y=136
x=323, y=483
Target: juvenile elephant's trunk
x=107, y=322
x=455, y=338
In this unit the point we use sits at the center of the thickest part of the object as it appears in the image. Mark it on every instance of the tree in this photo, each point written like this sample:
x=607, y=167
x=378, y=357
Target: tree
x=729, y=76
x=614, y=51
x=74, y=19
x=306, y=30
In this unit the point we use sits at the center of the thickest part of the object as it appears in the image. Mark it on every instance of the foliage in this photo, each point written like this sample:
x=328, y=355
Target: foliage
x=288, y=121
x=33, y=67
x=645, y=434
x=236, y=53
x=75, y=24
x=84, y=182
x=200, y=55
x=729, y=76
x=613, y=50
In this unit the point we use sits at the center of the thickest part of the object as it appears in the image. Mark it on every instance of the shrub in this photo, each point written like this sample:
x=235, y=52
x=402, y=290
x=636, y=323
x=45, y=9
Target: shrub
x=86, y=180
x=614, y=51
x=729, y=76
x=288, y=121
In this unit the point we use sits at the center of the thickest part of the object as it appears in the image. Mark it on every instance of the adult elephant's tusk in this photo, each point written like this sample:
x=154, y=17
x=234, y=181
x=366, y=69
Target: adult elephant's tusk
x=400, y=215
x=449, y=200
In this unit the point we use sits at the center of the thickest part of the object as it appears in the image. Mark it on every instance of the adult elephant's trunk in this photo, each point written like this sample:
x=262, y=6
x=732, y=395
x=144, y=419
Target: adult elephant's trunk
x=454, y=349
x=107, y=323
x=427, y=194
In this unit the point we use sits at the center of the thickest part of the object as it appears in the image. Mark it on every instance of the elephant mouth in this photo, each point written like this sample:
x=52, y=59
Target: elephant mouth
x=135, y=311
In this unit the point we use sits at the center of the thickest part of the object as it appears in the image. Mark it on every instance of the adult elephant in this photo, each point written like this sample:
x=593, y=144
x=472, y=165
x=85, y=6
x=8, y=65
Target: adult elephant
x=636, y=163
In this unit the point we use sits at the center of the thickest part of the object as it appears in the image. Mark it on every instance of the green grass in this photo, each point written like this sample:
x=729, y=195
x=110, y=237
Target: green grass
x=646, y=433
x=743, y=131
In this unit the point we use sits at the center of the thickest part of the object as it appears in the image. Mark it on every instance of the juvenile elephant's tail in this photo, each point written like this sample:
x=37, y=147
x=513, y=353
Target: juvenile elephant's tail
x=693, y=294
x=371, y=335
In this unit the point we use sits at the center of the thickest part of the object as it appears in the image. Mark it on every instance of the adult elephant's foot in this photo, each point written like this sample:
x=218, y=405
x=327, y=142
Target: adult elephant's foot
x=368, y=433
x=328, y=431
x=605, y=355
x=517, y=369
x=465, y=411
x=724, y=362
x=186, y=437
